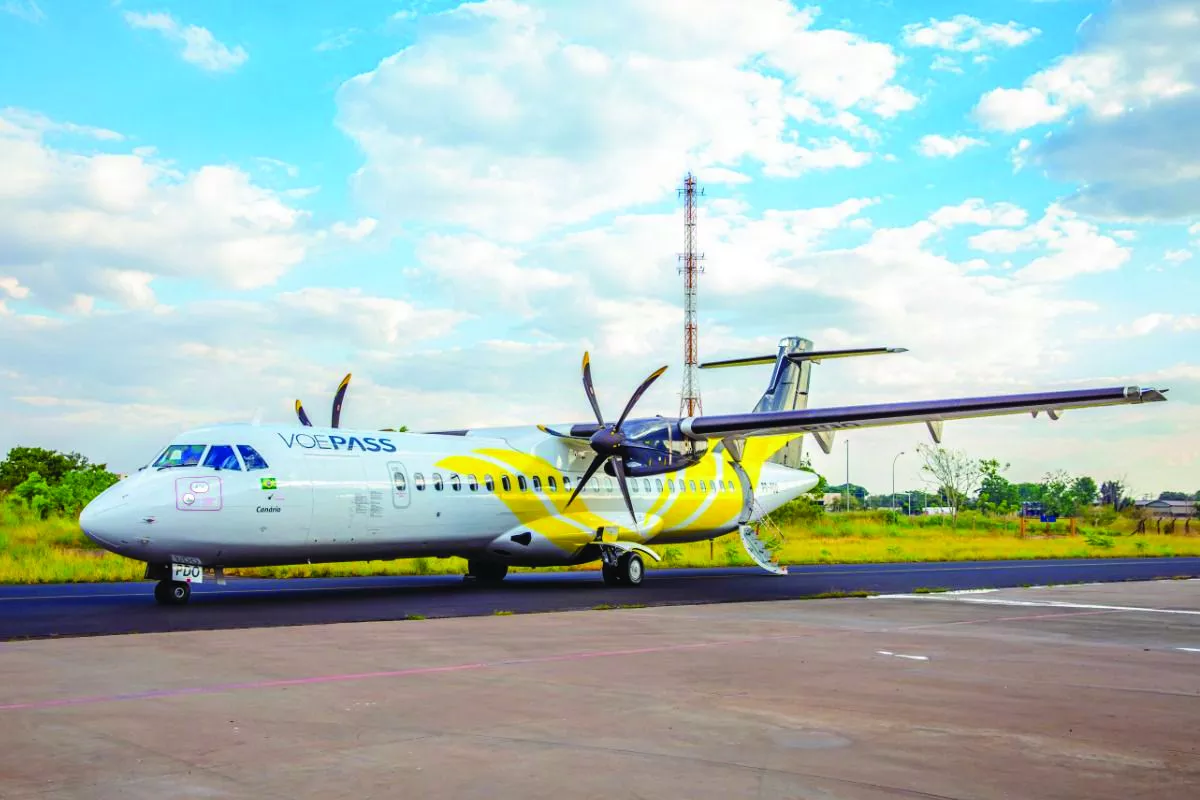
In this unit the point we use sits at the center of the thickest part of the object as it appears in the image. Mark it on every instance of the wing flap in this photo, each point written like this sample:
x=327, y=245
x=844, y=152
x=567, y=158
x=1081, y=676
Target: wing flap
x=823, y=420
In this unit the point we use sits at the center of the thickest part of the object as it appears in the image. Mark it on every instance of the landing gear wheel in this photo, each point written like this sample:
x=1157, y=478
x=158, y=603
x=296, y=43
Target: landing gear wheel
x=630, y=569
x=612, y=575
x=486, y=571
x=172, y=593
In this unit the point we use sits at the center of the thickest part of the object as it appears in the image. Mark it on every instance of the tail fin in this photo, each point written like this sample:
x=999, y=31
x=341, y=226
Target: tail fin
x=788, y=388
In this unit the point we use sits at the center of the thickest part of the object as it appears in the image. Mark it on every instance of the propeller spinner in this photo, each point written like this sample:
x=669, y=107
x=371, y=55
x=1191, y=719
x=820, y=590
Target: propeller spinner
x=609, y=441
x=338, y=398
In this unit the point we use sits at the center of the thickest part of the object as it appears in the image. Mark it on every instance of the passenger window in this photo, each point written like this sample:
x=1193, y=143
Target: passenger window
x=703, y=486
x=712, y=485
x=473, y=482
x=437, y=481
x=553, y=484
x=488, y=483
x=398, y=480
x=633, y=487
x=646, y=485
x=419, y=481
x=658, y=485
x=670, y=484
x=455, y=483
x=220, y=456
x=566, y=483
x=252, y=458
x=608, y=484
x=521, y=482
x=506, y=483
x=181, y=455
x=537, y=483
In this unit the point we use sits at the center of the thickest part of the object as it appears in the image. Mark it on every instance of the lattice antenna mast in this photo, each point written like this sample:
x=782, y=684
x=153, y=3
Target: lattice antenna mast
x=689, y=400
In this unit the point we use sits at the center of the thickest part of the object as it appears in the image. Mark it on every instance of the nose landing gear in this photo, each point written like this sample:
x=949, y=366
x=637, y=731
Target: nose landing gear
x=172, y=593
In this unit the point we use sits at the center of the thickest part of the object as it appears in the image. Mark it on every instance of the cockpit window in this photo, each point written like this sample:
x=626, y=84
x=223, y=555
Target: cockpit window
x=252, y=458
x=220, y=456
x=181, y=455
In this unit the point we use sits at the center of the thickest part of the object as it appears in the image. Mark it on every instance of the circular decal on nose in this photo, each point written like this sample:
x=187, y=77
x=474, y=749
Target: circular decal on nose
x=189, y=498
x=199, y=487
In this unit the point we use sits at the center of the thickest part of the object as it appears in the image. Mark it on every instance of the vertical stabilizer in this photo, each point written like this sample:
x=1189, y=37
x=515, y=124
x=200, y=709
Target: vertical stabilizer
x=788, y=391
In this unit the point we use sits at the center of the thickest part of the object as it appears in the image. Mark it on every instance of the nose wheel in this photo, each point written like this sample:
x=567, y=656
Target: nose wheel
x=172, y=593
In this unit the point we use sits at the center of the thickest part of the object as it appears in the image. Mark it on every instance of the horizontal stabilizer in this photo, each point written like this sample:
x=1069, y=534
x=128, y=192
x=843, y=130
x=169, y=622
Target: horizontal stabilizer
x=816, y=356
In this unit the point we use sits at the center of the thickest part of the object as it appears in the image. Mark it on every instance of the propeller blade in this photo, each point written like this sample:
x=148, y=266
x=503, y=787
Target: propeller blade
x=587, y=387
x=304, y=420
x=544, y=429
x=337, y=399
x=587, y=476
x=619, y=468
x=640, y=391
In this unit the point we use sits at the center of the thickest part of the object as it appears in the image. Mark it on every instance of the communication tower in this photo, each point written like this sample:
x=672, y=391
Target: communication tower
x=689, y=399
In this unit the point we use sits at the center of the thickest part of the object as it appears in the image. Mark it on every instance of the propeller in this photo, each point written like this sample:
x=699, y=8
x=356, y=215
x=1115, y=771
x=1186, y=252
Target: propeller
x=609, y=441
x=338, y=398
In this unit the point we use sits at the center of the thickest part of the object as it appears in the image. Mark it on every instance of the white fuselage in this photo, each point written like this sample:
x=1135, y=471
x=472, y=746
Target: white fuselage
x=324, y=495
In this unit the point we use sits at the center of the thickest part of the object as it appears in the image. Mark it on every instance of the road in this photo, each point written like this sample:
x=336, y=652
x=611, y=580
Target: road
x=116, y=608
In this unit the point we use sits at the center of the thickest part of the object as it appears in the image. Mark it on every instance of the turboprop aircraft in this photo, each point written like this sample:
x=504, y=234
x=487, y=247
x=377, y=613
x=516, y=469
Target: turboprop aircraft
x=246, y=495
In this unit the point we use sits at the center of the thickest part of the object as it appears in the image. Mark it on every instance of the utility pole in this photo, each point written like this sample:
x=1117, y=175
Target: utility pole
x=847, y=474
x=689, y=399
x=894, y=480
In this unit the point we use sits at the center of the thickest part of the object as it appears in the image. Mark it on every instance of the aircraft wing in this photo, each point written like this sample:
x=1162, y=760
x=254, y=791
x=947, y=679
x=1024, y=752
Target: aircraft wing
x=822, y=422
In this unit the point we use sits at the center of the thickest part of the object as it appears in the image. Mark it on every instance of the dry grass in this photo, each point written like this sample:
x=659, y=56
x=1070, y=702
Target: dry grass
x=55, y=551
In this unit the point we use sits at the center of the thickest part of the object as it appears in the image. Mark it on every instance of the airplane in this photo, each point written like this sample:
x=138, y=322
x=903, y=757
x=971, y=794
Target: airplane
x=612, y=490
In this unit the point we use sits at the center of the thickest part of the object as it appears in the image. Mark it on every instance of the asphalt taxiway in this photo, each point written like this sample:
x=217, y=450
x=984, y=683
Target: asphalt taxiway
x=92, y=609
x=1088, y=691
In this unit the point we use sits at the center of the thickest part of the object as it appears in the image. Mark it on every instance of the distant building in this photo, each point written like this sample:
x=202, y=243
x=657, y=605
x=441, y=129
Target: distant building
x=938, y=510
x=1173, y=509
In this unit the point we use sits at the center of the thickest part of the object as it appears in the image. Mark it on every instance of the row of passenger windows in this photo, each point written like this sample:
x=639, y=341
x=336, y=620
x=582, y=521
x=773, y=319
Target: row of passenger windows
x=552, y=484
x=218, y=456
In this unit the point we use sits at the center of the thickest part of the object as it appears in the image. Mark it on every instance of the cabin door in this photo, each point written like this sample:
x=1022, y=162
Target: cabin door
x=401, y=488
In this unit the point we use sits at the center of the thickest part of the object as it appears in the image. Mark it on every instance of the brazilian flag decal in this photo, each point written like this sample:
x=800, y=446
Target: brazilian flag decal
x=268, y=483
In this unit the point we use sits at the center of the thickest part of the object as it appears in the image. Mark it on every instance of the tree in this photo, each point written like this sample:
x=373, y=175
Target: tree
x=1174, y=496
x=996, y=494
x=22, y=462
x=1112, y=493
x=1083, y=492
x=951, y=472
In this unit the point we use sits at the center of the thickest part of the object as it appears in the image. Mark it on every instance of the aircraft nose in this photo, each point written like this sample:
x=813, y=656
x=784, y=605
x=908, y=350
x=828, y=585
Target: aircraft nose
x=96, y=521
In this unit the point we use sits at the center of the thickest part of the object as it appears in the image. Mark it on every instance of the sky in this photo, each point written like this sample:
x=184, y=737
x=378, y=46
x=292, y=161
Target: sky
x=208, y=210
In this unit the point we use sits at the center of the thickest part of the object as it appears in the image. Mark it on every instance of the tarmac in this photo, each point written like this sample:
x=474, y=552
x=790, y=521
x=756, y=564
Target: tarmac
x=1086, y=691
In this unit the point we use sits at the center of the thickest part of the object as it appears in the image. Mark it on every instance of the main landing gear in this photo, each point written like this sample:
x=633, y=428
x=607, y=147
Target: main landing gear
x=172, y=593
x=485, y=571
x=624, y=569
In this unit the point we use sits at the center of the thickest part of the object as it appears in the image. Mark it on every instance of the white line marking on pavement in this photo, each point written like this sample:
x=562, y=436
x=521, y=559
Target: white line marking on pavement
x=901, y=655
x=998, y=601
x=1189, y=649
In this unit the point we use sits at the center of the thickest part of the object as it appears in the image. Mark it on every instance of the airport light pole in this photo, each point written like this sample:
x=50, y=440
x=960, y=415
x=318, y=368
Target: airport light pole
x=847, y=475
x=894, y=480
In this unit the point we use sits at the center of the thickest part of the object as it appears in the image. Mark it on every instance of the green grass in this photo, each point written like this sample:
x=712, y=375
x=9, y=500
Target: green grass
x=55, y=551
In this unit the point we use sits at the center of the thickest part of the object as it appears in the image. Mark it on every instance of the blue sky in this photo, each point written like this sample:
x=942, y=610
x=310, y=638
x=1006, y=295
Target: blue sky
x=210, y=209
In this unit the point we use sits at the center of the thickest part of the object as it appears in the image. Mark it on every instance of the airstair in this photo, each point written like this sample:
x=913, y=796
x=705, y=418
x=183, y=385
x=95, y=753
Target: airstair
x=763, y=541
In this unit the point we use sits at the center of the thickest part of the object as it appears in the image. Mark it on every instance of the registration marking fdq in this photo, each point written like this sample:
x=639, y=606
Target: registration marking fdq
x=187, y=573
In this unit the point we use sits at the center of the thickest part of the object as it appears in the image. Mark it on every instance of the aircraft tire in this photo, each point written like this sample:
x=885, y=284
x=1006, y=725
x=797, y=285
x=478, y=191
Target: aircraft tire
x=612, y=575
x=631, y=569
x=486, y=571
x=172, y=593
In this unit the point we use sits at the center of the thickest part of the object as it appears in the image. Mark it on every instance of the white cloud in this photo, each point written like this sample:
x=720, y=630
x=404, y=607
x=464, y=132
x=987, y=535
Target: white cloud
x=944, y=63
x=1132, y=93
x=1018, y=154
x=19, y=122
x=13, y=288
x=200, y=47
x=1011, y=110
x=1177, y=256
x=356, y=232
x=108, y=224
x=1147, y=324
x=27, y=10
x=336, y=41
x=975, y=212
x=966, y=34
x=935, y=145
x=478, y=121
